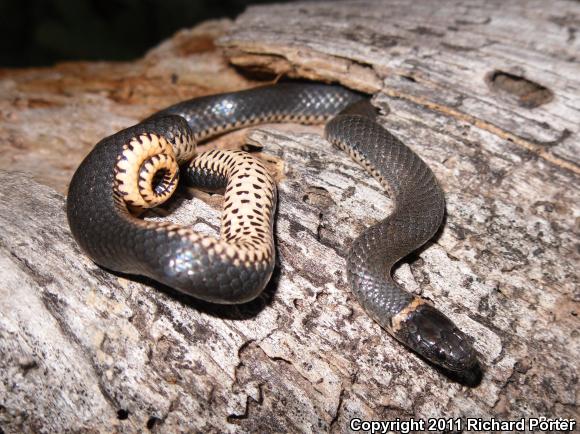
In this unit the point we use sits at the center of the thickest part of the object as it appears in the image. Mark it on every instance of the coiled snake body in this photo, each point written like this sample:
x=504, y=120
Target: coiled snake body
x=139, y=168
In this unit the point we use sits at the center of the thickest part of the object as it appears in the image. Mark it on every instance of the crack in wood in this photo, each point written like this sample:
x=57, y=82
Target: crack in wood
x=489, y=127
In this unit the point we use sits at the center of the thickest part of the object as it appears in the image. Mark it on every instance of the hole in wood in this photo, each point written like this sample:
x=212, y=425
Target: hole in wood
x=152, y=422
x=526, y=93
x=122, y=414
x=317, y=196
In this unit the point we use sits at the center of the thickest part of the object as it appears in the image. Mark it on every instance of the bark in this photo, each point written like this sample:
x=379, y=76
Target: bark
x=486, y=92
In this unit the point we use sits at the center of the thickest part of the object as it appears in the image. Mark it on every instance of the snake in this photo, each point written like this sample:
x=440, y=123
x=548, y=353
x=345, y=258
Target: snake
x=141, y=166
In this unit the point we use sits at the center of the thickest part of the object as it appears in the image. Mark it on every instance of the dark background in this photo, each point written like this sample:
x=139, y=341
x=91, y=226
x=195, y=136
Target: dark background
x=42, y=32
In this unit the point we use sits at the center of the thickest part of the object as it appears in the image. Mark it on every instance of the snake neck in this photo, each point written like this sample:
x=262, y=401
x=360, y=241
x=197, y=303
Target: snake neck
x=418, y=212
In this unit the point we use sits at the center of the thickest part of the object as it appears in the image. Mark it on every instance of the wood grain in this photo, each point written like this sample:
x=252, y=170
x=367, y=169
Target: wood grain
x=486, y=92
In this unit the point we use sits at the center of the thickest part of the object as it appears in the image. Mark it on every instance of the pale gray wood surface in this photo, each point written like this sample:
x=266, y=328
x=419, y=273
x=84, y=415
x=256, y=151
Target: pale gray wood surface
x=83, y=349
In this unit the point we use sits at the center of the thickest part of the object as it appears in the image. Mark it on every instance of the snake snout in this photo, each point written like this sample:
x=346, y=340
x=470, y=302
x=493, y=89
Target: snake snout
x=435, y=337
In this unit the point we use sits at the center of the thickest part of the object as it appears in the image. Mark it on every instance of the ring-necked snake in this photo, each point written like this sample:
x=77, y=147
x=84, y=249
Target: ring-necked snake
x=138, y=168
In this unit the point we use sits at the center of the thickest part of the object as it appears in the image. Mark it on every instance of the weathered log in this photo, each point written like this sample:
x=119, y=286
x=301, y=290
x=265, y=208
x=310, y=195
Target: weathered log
x=487, y=93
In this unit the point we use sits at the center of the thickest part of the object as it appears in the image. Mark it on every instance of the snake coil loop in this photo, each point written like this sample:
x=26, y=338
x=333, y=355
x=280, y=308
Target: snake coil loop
x=146, y=172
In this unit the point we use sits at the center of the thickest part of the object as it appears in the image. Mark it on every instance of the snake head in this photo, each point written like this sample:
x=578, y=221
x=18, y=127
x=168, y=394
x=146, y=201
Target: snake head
x=434, y=336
